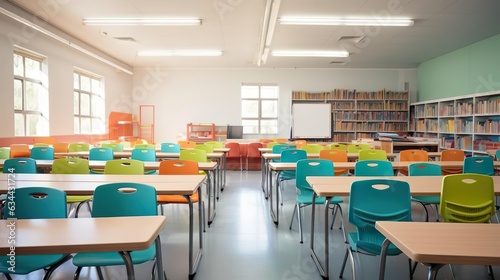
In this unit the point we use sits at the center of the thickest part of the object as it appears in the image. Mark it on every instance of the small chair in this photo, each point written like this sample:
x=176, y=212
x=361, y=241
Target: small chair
x=111, y=201
x=280, y=140
x=42, y=153
x=370, y=201
x=208, y=148
x=425, y=169
x=36, y=203
x=100, y=154
x=271, y=144
x=373, y=168
x=170, y=148
x=115, y=147
x=299, y=143
x=336, y=146
x=4, y=153
x=372, y=154
x=60, y=147
x=124, y=166
x=313, y=167
x=215, y=144
x=19, y=151
x=19, y=165
x=144, y=154
x=144, y=146
x=313, y=148
x=289, y=155
x=278, y=148
x=355, y=148
x=479, y=165
x=78, y=147
x=452, y=155
x=187, y=144
x=336, y=156
x=412, y=155
x=234, y=155
x=254, y=156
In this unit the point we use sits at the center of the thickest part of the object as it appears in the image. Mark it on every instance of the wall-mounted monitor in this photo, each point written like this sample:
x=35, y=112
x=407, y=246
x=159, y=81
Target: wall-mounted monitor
x=234, y=132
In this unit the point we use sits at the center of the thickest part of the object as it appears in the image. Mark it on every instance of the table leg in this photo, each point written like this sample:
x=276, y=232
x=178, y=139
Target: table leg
x=218, y=177
x=210, y=183
x=193, y=264
x=128, y=264
x=274, y=214
x=263, y=173
x=324, y=271
x=224, y=171
x=159, y=259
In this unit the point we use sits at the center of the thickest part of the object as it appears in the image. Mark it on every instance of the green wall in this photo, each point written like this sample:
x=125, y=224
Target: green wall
x=472, y=69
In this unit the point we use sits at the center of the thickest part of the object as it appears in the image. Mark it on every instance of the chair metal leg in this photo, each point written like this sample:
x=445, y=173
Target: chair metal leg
x=53, y=267
x=7, y=276
x=77, y=273
x=99, y=272
x=293, y=215
x=344, y=263
x=299, y=217
x=490, y=272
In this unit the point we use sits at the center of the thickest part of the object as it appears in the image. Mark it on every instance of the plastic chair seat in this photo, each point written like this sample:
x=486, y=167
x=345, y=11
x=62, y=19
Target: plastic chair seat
x=306, y=199
x=179, y=199
x=113, y=258
x=371, y=245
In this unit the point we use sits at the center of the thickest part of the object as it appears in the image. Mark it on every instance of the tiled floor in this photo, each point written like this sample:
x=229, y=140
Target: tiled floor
x=243, y=243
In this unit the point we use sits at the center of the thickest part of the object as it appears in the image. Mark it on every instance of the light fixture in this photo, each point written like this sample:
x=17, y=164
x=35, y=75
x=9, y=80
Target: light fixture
x=351, y=21
x=141, y=21
x=310, y=53
x=179, y=53
x=268, y=24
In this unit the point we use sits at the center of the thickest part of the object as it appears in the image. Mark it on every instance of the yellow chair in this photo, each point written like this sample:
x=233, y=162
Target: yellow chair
x=372, y=154
x=4, y=153
x=355, y=148
x=124, y=166
x=336, y=146
x=78, y=147
x=312, y=148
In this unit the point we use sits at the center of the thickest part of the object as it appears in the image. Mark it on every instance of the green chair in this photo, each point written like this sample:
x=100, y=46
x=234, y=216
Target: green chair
x=370, y=201
x=111, y=201
x=479, y=165
x=170, y=148
x=73, y=166
x=372, y=154
x=271, y=144
x=208, y=148
x=355, y=148
x=215, y=144
x=289, y=155
x=124, y=166
x=336, y=146
x=42, y=153
x=142, y=146
x=313, y=148
x=35, y=203
x=19, y=165
x=313, y=167
x=78, y=147
x=116, y=147
x=4, y=153
x=373, y=168
x=425, y=169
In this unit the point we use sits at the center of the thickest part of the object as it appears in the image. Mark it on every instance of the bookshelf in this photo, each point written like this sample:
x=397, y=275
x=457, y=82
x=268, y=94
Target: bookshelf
x=361, y=114
x=201, y=132
x=468, y=122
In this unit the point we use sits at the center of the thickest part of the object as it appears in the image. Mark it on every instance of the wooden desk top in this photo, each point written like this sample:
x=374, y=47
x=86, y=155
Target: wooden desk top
x=445, y=243
x=65, y=236
x=419, y=185
x=266, y=154
x=127, y=154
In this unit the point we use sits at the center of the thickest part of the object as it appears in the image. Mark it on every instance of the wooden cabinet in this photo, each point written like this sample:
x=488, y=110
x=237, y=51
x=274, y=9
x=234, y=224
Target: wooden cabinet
x=201, y=132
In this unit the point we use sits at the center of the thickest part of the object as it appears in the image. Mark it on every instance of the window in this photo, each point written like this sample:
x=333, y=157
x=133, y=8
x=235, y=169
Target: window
x=259, y=109
x=30, y=96
x=88, y=104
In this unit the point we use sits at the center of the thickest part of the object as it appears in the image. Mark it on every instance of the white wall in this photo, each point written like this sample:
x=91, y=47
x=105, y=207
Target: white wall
x=61, y=60
x=181, y=96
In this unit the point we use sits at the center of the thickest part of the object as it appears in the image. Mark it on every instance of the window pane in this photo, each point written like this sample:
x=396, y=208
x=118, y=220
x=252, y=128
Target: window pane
x=18, y=125
x=33, y=96
x=85, y=83
x=269, y=92
x=250, y=92
x=269, y=109
x=85, y=126
x=96, y=86
x=84, y=104
x=34, y=125
x=76, y=103
x=98, y=126
x=250, y=108
x=76, y=123
x=269, y=126
x=18, y=65
x=76, y=81
x=18, y=95
x=250, y=126
x=97, y=107
x=33, y=68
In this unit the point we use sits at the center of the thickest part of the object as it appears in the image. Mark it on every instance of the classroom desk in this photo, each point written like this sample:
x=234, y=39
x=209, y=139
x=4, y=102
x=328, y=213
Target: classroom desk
x=82, y=184
x=67, y=236
x=438, y=244
x=330, y=186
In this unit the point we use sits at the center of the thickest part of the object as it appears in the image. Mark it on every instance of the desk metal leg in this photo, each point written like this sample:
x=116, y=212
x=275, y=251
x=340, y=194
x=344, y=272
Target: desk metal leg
x=193, y=264
x=263, y=173
x=128, y=264
x=218, y=177
x=274, y=214
x=224, y=172
x=210, y=183
x=323, y=270
x=159, y=259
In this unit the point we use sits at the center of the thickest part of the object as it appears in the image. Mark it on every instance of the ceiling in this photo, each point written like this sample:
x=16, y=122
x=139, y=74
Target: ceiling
x=235, y=27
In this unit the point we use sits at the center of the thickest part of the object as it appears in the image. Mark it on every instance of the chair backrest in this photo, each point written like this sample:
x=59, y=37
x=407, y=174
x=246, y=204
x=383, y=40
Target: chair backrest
x=116, y=147
x=19, y=151
x=413, y=155
x=143, y=154
x=144, y=146
x=497, y=154
x=187, y=144
x=355, y=148
x=479, y=165
x=197, y=155
x=101, y=153
x=60, y=147
x=467, y=198
x=293, y=155
x=234, y=150
x=19, y=165
x=313, y=148
x=215, y=144
x=278, y=148
x=70, y=166
x=124, y=166
x=280, y=140
x=38, y=203
x=41, y=145
x=377, y=200
x=336, y=146
x=424, y=169
x=124, y=199
x=311, y=167
x=4, y=153
x=271, y=144
x=42, y=152
x=170, y=148
x=207, y=148
x=299, y=143
x=452, y=155
x=373, y=168
x=372, y=154
x=178, y=167
x=253, y=150
x=78, y=147
x=334, y=155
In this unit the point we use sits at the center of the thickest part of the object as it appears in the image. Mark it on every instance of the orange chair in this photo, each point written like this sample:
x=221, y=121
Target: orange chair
x=253, y=158
x=20, y=151
x=300, y=143
x=233, y=155
x=335, y=156
x=281, y=140
x=452, y=155
x=412, y=155
x=187, y=144
x=60, y=147
x=179, y=167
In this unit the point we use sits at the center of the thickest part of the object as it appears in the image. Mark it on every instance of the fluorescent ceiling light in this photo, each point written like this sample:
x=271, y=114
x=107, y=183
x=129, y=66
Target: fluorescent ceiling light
x=179, y=53
x=352, y=21
x=141, y=21
x=311, y=53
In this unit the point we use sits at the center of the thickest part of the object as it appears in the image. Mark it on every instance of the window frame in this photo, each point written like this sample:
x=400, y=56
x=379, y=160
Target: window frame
x=93, y=115
x=260, y=100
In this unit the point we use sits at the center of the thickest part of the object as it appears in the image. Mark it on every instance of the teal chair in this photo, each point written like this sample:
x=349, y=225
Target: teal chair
x=426, y=169
x=313, y=167
x=479, y=165
x=19, y=165
x=36, y=203
x=369, y=203
x=144, y=154
x=170, y=148
x=373, y=168
x=289, y=155
x=278, y=148
x=111, y=201
x=100, y=154
x=42, y=153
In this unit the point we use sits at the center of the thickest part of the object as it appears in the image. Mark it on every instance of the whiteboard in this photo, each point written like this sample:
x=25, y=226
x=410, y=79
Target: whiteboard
x=311, y=120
